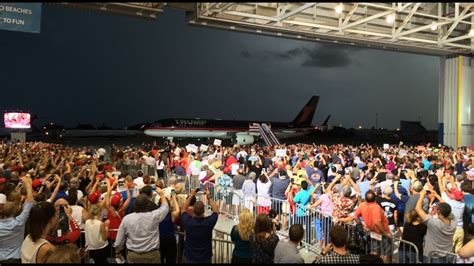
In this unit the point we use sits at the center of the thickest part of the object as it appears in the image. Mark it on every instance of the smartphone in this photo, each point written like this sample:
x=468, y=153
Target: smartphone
x=63, y=220
x=173, y=192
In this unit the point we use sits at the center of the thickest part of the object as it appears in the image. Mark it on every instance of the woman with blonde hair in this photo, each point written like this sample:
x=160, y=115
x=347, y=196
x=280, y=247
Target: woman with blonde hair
x=240, y=236
x=414, y=231
x=96, y=233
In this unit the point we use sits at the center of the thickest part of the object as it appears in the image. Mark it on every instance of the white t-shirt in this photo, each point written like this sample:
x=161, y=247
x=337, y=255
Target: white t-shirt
x=160, y=165
x=457, y=208
x=94, y=240
x=150, y=161
x=385, y=183
x=3, y=198
x=139, y=182
x=77, y=215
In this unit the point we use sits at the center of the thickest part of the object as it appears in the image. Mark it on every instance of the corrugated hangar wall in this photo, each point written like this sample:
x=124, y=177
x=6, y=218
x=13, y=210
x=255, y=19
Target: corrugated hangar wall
x=456, y=101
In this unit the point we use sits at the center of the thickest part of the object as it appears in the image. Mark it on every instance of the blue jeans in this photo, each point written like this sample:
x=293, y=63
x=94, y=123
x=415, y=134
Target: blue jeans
x=321, y=227
x=197, y=262
x=407, y=256
x=440, y=260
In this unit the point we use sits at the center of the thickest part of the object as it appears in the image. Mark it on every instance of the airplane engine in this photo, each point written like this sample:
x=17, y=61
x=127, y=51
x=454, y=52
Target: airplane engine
x=243, y=139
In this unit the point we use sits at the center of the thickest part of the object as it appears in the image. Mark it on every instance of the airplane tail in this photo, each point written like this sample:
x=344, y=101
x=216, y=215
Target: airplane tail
x=326, y=121
x=305, y=117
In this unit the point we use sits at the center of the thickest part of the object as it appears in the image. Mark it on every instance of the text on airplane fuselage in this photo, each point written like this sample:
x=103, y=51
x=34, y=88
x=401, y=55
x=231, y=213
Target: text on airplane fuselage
x=188, y=122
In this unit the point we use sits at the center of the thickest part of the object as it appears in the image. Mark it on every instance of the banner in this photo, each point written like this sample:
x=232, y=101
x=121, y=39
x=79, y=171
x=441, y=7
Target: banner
x=24, y=17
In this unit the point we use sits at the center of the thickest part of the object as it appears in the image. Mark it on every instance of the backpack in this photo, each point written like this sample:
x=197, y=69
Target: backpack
x=357, y=241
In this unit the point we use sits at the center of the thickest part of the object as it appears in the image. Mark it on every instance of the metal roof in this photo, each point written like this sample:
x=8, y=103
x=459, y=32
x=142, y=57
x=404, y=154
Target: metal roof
x=426, y=28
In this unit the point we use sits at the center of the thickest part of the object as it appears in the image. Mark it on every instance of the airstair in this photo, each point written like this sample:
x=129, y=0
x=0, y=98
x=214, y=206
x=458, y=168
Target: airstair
x=267, y=134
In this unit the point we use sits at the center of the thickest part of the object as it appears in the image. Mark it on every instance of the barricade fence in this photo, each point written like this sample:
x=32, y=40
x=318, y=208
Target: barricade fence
x=439, y=256
x=317, y=225
x=222, y=248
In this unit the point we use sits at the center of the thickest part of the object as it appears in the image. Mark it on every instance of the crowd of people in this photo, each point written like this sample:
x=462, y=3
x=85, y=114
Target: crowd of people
x=156, y=204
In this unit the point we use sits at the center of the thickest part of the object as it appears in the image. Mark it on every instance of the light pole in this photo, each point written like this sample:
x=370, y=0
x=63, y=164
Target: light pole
x=376, y=124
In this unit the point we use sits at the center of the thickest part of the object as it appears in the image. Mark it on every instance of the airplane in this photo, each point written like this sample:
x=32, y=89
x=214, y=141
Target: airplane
x=241, y=132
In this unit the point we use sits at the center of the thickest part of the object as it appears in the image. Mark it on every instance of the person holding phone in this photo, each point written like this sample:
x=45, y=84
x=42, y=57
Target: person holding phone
x=168, y=247
x=198, y=229
x=12, y=228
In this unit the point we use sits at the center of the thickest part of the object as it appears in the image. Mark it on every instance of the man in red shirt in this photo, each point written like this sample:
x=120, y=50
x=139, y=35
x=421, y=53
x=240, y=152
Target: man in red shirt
x=376, y=222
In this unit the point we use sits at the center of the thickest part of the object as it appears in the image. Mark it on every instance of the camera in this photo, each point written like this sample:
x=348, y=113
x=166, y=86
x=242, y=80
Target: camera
x=273, y=214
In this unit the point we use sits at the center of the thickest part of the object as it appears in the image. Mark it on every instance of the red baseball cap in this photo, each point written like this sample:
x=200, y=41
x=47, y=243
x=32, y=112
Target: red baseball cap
x=94, y=197
x=457, y=194
x=100, y=176
x=2, y=181
x=116, y=198
x=36, y=183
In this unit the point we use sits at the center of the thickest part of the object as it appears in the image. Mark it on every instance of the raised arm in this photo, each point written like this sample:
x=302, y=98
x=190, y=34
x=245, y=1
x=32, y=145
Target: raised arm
x=129, y=198
x=187, y=203
x=314, y=189
x=175, y=213
x=106, y=202
x=214, y=206
x=354, y=185
x=419, y=205
x=56, y=189
x=329, y=188
x=395, y=189
x=439, y=174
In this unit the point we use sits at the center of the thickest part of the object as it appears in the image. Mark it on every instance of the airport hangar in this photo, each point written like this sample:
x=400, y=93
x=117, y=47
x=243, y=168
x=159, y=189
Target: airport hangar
x=443, y=29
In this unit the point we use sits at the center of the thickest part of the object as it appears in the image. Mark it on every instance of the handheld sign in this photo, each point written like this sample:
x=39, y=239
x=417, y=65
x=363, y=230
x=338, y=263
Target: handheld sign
x=203, y=147
x=191, y=148
x=281, y=152
x=217, y=142
x=386, y=146
x=235, y=168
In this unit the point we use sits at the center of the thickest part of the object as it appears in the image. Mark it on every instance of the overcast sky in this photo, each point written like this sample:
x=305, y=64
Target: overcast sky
x=91, y=67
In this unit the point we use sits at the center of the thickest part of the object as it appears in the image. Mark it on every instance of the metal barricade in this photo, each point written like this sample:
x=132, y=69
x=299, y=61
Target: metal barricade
x=317, y=226
x=408, y=252
x=87, y=258
x=222, y=247
x=439, y=256
x=222, y=251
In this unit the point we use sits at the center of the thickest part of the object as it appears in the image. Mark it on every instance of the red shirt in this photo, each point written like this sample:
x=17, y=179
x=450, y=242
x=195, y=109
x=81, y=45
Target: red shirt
x=115, y=219
x=231, y=160
x=372, y=213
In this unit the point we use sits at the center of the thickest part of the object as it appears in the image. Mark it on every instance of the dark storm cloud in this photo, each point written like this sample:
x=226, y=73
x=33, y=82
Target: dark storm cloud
x=320, y=55
x=176, y=70
x=246, y=54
